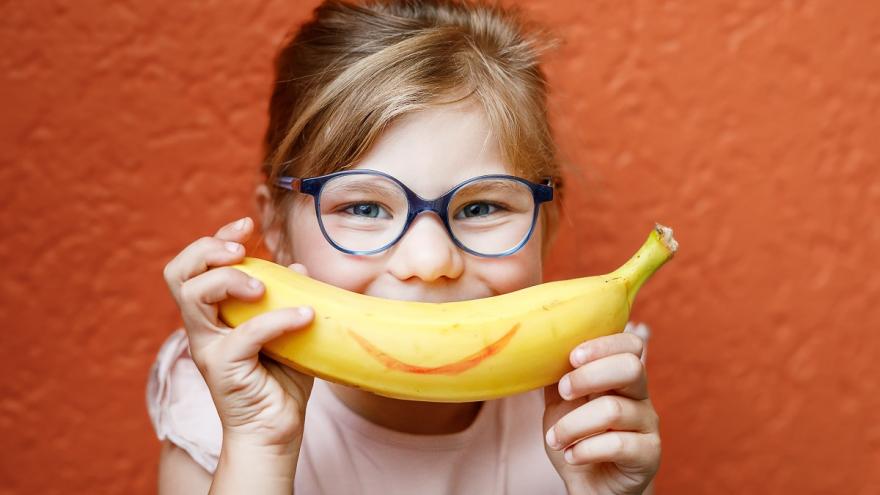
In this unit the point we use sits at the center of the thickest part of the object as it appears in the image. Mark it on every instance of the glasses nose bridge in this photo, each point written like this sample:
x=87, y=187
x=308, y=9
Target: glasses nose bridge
x=419, y=205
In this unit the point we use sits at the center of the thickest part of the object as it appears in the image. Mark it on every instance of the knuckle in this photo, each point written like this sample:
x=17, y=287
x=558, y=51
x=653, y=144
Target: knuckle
x=655, y=420
x=654, y=442
x=633, y=366
x=636, y=343
x=613, y=408
x=206, y=241
x=188, y=293
x=168, y=273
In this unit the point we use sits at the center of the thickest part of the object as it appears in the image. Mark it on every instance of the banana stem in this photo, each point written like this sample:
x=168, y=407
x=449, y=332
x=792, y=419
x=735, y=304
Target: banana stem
x=657, y=250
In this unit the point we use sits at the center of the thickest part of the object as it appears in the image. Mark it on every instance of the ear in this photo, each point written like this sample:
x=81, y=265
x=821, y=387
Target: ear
x=269, y=225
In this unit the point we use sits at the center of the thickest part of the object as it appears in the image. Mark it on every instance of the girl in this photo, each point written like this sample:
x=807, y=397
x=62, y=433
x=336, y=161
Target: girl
x=376, y=106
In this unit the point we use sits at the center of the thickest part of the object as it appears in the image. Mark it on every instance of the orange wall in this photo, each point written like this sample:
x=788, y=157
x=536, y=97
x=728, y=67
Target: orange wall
x=129, y=129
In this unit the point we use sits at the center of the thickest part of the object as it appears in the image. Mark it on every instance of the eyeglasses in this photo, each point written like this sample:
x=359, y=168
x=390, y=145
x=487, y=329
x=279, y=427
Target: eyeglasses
x=366, y=211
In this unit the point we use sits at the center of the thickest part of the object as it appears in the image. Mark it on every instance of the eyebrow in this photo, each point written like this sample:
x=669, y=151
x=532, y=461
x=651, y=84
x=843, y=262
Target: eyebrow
x=494, y=185
x=365, y=187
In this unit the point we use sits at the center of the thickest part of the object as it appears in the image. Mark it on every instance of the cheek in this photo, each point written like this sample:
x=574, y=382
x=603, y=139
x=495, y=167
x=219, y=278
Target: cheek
x=323, y=261
x=517, y=271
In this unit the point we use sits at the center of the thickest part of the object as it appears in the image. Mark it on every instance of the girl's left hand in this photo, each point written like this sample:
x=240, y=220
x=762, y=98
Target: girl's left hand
x=602, y=434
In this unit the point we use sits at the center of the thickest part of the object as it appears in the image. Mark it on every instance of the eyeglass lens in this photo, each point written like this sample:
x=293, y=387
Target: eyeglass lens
x=364, y=212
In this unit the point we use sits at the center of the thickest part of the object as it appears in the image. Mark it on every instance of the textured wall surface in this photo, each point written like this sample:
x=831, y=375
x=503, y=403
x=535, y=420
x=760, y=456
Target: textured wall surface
x=128, y=129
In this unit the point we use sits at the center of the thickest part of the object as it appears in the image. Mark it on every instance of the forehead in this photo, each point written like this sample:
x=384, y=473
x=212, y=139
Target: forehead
x=434, y=149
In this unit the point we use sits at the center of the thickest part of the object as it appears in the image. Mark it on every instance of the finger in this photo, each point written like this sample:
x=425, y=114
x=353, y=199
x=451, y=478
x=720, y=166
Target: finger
x=245, y=342
x=609, y=412
x=623, y=374
x=196, y=258
x=190, y=261
x=237, y=231
x=608, y=345
x=626, y=449
x=220, y=284
x=199, y=297
x=206, y=290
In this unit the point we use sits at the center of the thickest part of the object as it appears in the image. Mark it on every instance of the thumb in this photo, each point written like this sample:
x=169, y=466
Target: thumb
x=296, y=384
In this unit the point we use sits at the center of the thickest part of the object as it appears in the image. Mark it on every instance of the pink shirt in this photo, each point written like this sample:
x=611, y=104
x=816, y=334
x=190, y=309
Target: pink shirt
x=502, y=452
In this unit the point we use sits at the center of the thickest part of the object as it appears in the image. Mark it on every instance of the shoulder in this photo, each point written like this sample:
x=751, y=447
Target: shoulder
x=179, y=404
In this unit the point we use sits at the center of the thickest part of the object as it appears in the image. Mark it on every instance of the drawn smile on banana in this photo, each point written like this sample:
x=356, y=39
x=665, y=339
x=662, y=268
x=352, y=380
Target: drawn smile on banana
x=452, y=368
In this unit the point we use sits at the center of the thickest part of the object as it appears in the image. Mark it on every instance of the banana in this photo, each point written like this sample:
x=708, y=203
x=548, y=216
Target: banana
x=448, y=352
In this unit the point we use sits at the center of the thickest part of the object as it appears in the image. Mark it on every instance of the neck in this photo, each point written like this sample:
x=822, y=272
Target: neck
x=420, y=418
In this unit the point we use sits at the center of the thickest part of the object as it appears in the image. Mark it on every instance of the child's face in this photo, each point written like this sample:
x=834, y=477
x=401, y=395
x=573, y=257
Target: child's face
x=431, y=152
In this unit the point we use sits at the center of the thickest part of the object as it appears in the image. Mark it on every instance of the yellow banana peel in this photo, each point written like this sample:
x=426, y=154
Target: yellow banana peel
x=448, y=352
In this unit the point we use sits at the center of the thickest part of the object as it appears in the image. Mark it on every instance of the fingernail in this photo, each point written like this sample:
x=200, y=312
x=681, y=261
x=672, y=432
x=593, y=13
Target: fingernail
x=254, y=283
x=304, y=311
x=551, y=438
x=565, y=387
x=579, y=356
x=233, y=247
x=239, y=225
x=569, y=456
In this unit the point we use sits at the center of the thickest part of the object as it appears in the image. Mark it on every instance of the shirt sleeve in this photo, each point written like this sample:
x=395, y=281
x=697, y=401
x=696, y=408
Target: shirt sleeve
x=179, y=403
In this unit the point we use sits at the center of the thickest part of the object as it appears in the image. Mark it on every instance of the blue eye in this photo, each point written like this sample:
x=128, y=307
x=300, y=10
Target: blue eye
x=478, y=210
x=367, y=210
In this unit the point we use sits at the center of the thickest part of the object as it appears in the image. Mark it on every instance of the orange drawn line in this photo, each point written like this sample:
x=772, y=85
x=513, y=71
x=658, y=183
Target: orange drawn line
x=444, y=369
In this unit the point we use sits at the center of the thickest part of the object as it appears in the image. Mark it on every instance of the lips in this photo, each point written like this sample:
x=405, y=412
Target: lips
x=452, y=368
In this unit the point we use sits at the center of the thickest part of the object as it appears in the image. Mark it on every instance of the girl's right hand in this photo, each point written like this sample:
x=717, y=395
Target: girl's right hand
x=259, y=401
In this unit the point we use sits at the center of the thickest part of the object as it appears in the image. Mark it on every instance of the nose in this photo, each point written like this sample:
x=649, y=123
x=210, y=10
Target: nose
x=426, y=252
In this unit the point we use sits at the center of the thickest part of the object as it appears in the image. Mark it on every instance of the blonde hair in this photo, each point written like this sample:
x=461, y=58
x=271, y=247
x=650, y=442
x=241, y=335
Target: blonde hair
x=348, y=73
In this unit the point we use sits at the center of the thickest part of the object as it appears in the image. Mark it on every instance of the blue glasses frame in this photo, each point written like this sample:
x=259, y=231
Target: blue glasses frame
x=312, y=186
